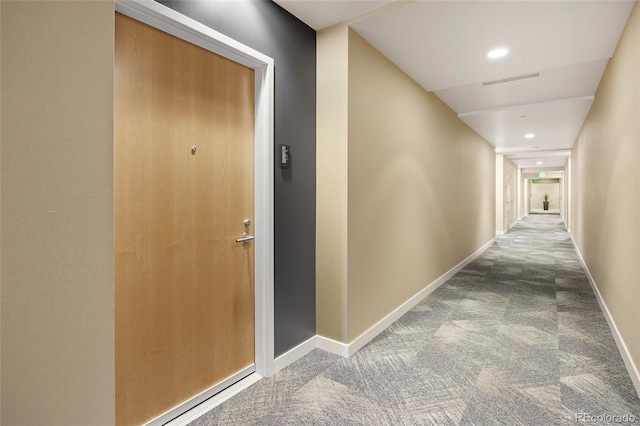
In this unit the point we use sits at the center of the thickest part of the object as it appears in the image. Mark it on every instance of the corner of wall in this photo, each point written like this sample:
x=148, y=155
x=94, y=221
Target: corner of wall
x=331, y=182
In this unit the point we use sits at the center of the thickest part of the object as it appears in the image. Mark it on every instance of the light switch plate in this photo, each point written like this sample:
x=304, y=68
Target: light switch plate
x=285, y=156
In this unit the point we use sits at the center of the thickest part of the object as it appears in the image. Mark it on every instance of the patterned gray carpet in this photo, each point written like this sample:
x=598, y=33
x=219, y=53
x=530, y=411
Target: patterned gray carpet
x=516, y=338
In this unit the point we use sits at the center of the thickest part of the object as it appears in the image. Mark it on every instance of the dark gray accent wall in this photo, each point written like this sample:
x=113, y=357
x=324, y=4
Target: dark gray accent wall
x=269, y=29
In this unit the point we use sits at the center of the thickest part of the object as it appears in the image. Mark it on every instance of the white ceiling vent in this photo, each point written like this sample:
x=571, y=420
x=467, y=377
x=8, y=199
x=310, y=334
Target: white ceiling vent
x=507, y=80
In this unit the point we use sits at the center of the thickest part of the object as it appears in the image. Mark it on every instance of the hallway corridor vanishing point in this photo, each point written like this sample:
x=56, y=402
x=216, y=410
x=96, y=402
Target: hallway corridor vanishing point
x=516, y=337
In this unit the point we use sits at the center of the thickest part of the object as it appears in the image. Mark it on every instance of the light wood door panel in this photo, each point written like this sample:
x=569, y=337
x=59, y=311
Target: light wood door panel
x=184, y=308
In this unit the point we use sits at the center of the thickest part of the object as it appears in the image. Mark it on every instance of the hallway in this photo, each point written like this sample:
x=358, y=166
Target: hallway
x=517, y=337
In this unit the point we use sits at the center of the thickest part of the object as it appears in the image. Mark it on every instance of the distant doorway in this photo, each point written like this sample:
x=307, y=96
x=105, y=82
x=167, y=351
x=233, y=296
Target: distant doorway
x=541, y=190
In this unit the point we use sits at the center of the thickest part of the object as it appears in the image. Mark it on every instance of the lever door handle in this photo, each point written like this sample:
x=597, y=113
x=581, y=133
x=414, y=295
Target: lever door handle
x=246, y=237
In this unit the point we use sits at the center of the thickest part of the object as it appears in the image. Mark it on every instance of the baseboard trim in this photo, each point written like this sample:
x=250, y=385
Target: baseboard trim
x=622, y=347
x=347, y=350
x=295, y=354
x=332, y=346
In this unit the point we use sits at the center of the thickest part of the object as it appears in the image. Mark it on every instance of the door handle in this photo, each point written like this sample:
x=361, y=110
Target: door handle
x=246, y=237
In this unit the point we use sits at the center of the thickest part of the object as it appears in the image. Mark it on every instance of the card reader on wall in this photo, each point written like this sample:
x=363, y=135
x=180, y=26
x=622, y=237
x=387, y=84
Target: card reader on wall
x=285, y=154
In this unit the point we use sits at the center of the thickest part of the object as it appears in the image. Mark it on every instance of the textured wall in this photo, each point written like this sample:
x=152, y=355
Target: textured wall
x=506, y=190
x=605, y=182
x=510, y=188
x=264, y=26
x=57, y=220
x=499, y=191
x=509, y=193
x=332, y=178
x=420, y=187
x=566, y=200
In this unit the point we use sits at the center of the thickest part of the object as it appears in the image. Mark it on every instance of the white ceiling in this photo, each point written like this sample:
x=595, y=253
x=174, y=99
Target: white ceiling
x=443, y=45
x=555, y=124
x=319, y=14
x=530, y=160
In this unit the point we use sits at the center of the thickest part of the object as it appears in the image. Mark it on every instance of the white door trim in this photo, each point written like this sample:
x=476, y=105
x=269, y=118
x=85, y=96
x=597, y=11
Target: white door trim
x=165, y=19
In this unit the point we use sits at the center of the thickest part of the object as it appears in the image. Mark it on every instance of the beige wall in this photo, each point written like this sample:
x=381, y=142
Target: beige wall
x=567, y=194
x=605, y=182
x=499, y=181
x=331, y=182
x=526, y=195
x=520, y=195
x=506, y=193
x=538, y=189
x=561, y=196
x=420, y=189
x=510, y=193
x=56, y=217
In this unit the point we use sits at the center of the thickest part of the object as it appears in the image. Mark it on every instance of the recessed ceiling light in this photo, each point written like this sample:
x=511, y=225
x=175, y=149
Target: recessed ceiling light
x=529, y=136
x=539, y=163
x=500, y=52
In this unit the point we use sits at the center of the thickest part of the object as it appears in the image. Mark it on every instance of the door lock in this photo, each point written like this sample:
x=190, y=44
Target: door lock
x=246, y=237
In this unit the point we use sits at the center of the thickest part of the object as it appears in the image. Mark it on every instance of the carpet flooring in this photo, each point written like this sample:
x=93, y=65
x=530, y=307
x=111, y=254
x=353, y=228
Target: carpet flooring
x=515, y=338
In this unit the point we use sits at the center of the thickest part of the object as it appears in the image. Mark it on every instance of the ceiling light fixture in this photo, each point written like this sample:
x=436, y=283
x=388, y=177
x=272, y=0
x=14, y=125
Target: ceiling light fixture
x=539, y=163
x=529, y=136
x=500, y=52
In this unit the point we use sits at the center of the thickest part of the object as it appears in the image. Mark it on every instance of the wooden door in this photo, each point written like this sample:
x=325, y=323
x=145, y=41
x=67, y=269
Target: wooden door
x=184, y=291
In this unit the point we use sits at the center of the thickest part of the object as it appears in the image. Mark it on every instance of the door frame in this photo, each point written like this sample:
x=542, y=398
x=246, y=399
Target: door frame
x=165, y=19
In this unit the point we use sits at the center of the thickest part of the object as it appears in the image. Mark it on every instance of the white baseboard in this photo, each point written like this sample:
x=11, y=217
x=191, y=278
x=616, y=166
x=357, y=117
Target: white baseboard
x=332, y=346
x=346, y=350
x=622, y=347
x=295, y=354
